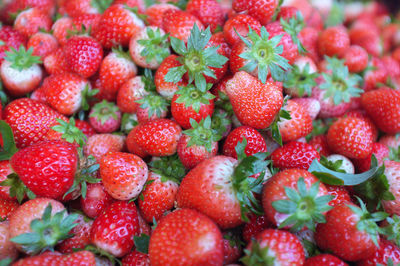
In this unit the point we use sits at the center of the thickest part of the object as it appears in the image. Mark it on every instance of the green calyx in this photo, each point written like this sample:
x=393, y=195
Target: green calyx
x=154, y=103
x=148, y=81
x=142, y=243
x=274, y=127
x=392, y=230
x=169, y=168
x=128, y=122
x=302, y=80
x=201, y=134
x=264, y=53
x=257, y=256
x=293, y=27
x=156, y=46
x=17, y=187
x=196, y=60
x=193, y=96
x=9, y=146
x=47, y=231
x=244, y=185
x=334, y=166
x=104, y=110
x=87, y=96
x=394, y=154
x=340, y=85
x=320, y=127
x=100, y=5
x=220, y=121
x=70, y=132
x=22, y=59
x=119, y=52
x=368, y=221
x=304, y=207
x=224, y=103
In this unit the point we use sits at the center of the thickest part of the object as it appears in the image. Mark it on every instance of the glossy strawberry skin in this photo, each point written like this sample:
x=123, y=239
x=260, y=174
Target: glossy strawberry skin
x=241, y=24
x=195, y=231
x=81, y=236
x=7, y=206
x=11, y=38
x=179, y=23
x=340, y=193
x=255, y=141
x=193, y=155
x=42, y=44
x=333, y=41
x=113, y=230
x=56, y=62
x=100, y=144
x=80, y=258
x=294, y=155
x=29, y=21
x=356, y=58
x=386, y=250
x=290, y=50
x=155, y=13
x=380, y=151
x=209, y=12
x=131, y=91
x=320, y=144
x=96, y=201
x=136, y=258
x=47, y=168
x=324, y=260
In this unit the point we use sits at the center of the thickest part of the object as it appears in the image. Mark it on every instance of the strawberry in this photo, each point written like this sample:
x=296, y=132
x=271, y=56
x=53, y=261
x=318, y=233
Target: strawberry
x=152, y=106
x=76, y=8
x=351, y=137
x=81, y=236
x=40, y=224
x=198, y=143
x=232, y=247
x=307, y=208
x=160, y=192
x=42, y=44
x=80, y=258
x=367, y=38
x=339, y=193
x=136, y=258
x=10, y=37
x=324, y=259
x=100, y=144
x=117, y=26
x=96, y=201
x=60, y=29
x=157, y=137
x=132, y=143
x=387, y=251
x=56, y=62
x=381, y=153
x=165, y=88
x=274, y=246
x=356, y=58
x=301, y=79
x=7, y=207
x=255, y=141
x=241, y=24
x=116, y=69
x=179, y=23
x=155, y=13
x=139, y=4
x=105, y=117
x=260, y=10
x=338, y=163
x=256, y=225
x=190, y=102
x=29, y=163
x=113, y=230
x=363, y=115
x=350, y=232
x=392, y=174
x=196, y=231
x=128, y=94
x=84, y=55
x=20, y=71
x=5, y=170
x=320, y=144
x=383, y=107
x=294, y=155
x=30, y=21
x=310, y=105
x=309, y=39
x=30, y=120
x=257, y=112
x=85, y=127
x=209, y=12
x=47, y=6
x=7, y=248
x=333, y=41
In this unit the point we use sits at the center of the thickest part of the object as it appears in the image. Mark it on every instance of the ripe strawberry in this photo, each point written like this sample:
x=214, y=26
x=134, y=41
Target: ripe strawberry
x=105, y=117
x=10, y=38
x=387, y=251
x=333, y=41
x=209, y=12
x=30, y=21
x=260, y=10
x=356, y=58
x=30, y=120
x=152, y=107
x=47, y=6
x=287, y=12
x=324, y=259
x=363, y=115
x=114, y=228
x=5, y=170
x=294, y=155
x=85, y=127
x=76, y=8
x=149, y=47
x=155, y=13
x=60, y=29
x=309, y=39
x=132, y=143
x=340, y=194
x=378, y=74
x=351, y=137
x=256, y=225
x=81, y=236
x=42, y=44
x=310, y=105
x=116, y=68
x=383, y=107
x=157, y=137
x=195, y=230
x=258, y=112
x=275, y=246
x=254, y=140
x=56, y=62
x=198, y=143
x=179, y=23
x=20, y=71
x=80, y=258
x=96, y=200
x=7, y=248
x=136, y=258
x=7, y=206
x=392, y=174
x=100, y=144
x=240, y=24
x=366, y=37
x=129, y=93
x=117, y=26
x=164, y=88
x=345, y=233
x=380, y=151
x=84, y=55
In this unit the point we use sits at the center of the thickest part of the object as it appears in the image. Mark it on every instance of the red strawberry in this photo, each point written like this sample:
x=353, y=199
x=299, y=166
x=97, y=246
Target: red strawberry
x=30, y=120
x=387, y=250
x=179, y=23
x=351, y=137
x=117, y=26
x=294, y=155
x=42, y=44
x=256, y=225
x=56, y=62
x=366, y=37
x=5, y=170
x=380, y=151
x=85, y=127
x=123, y=174
x=80, y=258
x=114, y=228
x=309, y=39
x=164, y=88
x=362, y=114
x=81, y=236
x=258, y=112
x=136, y=258
x=320, y=144
x=344, y=233
x=47, y=168
x=276, y=246
x=340, y=193
x=84, y=55
x=324, y=259
x=392, y=171
x=152, y=106
x=240, y=24
x=30, y=21
x=129, y=93
x=260, y=10
x=76, y=8
x=199, y=242
x=7, y=206
x=96, y=200
x=310, y=105
x=133, y=145
x=105, y=117
x=254, y=140
x=7, y=248
x=309, y=206
x=333, y=41
x=155, y=13
x=383, y=106
x=232, y=247
x=60, y=29
x=356, y=58
x=209, y=12
x=100, y=144
x=10, y=37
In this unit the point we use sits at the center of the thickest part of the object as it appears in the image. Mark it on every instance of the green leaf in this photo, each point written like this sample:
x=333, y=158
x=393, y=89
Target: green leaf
x=142, y=243
x=201, y=134
x=9, y=146
x=168, y=167
x=21, y=59
x=175, y=74
x=178, y=45
x=6, y=262
x=336, y=15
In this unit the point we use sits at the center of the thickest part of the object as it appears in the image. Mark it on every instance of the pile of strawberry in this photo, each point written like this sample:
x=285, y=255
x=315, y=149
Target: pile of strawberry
x=200, y=132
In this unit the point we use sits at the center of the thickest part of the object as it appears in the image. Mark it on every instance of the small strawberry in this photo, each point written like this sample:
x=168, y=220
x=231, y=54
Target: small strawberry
x=179, y=23
x=81, y=236
x=7, y=248
x=56, y=62
x=241, y=24
x=130, y=92
x=105, y=117
x=256, y=225
x=42, y=44
x=155, y=13
x=100, y=144
x=274, y=246
x=30, y=21
x=20, y=71
x=80, y=258
x=196, y=231
x=324, y=259
x=356, y=58
x=165, y=88
x=113, y=230
x=294, y=155
x=255, y=141
x=209, y=12
x=333, y=41
x=263, y=10
x=96, y=201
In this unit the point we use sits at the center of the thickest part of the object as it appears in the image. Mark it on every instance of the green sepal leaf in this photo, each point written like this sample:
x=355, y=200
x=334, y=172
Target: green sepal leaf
x=142, y=243
x=6, y=262
x=17, y=188
x=201, y=134
x=168, y=167
x=21, y=59
x=9, y=146
x=156, y=45
x=104, y=111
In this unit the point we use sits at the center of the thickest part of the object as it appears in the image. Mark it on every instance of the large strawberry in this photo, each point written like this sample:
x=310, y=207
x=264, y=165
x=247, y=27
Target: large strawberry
x=196, y=231
x=242, y=23
x=100, y=144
